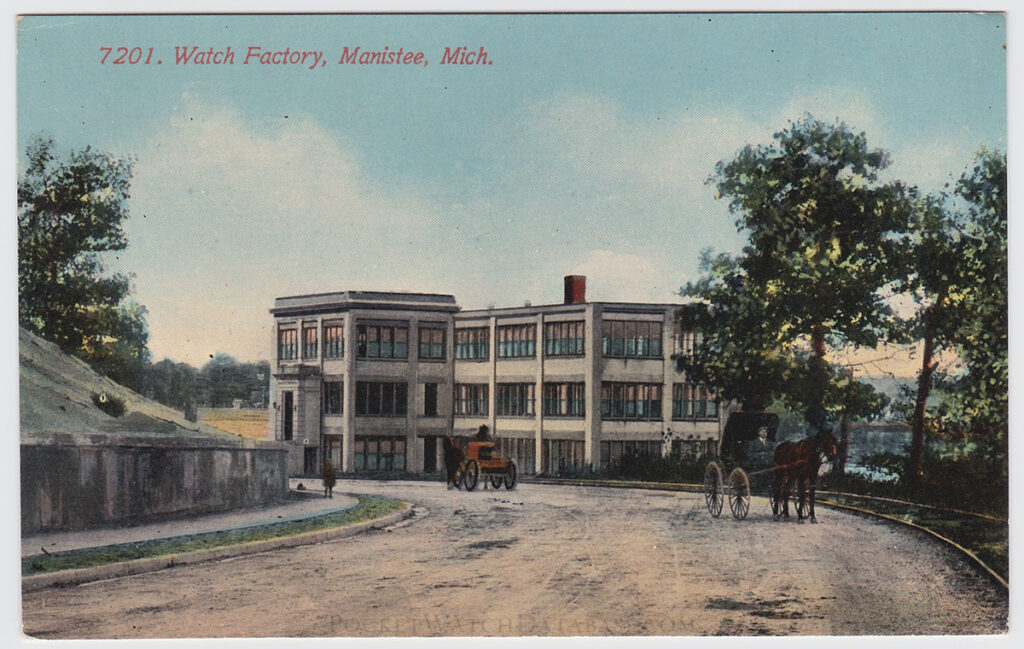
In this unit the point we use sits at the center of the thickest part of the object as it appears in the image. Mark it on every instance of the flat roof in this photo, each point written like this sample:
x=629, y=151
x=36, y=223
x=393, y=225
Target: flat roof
x=613, y=307
x=346, y=300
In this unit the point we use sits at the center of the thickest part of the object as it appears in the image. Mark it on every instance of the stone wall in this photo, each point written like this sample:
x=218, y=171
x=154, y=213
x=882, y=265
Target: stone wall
x=76, y=481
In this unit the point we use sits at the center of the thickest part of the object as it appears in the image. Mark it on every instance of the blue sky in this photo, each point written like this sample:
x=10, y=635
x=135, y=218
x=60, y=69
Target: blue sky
x=582, y=149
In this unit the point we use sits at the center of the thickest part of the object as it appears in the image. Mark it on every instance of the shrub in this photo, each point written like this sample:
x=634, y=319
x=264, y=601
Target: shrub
x=109, y=404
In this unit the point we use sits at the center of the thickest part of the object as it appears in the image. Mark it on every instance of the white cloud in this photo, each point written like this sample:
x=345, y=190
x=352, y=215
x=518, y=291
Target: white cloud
x=623, y=277
x=228, y=215
x=675, y=152
x=259, y=175
x=834, y=104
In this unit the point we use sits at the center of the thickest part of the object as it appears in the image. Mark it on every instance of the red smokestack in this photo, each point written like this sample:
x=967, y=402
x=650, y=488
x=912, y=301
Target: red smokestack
x=575, y=289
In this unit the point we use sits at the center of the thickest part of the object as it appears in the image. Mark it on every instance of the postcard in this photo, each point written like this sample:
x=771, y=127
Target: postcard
x=476, y=325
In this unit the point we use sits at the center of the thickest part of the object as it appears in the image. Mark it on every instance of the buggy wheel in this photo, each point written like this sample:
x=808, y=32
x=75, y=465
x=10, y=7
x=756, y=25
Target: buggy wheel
x=510, y=476
x=713, y=490
x=739, y=493
x=471, y=475
x=496, y=480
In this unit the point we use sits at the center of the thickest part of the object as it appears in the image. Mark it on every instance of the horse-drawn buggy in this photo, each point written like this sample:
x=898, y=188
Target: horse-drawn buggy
x=481, y=460
x=750, y=457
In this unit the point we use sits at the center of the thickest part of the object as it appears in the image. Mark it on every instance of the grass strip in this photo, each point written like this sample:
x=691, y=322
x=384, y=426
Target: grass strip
x=986, y=538
x=369, y=507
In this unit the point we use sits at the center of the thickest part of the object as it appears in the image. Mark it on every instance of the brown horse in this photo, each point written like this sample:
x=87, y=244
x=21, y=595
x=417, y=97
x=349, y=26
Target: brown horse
x=798, y=463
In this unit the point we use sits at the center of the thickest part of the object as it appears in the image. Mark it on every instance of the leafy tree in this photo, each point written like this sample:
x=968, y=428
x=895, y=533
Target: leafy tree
x=934, y=247
x=224, y=379
x=70, y=212
x=329, y=478
x=958, y=274
x=822, y=239
x=981, y=311
x=173, y=384
x=741, y=344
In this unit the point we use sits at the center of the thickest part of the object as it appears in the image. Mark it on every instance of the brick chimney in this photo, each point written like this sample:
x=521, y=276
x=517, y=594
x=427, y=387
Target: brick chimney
x=575, y=289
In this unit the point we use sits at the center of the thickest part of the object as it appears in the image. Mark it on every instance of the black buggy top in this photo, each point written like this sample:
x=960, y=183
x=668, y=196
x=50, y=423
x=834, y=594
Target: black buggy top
x=742, y=443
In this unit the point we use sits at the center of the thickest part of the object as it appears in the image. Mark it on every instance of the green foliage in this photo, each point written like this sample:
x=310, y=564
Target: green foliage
x=822, y=228
x=224, y=379
x=823, y=242
x=646, y=468
x=176, y=385
x=954, y=475
x=108, y=403
x=981, y=312
x=958, y=272
x=743, y=349
x=69, y=213
x=218, y=384
x=328, y=476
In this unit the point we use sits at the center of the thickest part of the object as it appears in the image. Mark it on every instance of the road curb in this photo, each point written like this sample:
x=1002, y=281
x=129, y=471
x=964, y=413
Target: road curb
x=139, y=566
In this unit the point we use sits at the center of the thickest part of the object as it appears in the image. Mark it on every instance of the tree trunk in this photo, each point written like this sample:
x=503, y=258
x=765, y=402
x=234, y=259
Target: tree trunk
x=818, y=341
x=924, y=385
x=816, y=415
x=844, y=445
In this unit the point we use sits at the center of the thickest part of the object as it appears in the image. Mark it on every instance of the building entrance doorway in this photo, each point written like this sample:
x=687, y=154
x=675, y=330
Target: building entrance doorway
x=429, y=454
x=332, y=450
x=289, y=405
x=309, y=464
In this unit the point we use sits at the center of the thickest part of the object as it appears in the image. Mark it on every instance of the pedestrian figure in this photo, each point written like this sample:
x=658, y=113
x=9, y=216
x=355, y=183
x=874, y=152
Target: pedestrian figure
x=329, y=479
x=452, y=459
x=482, y=434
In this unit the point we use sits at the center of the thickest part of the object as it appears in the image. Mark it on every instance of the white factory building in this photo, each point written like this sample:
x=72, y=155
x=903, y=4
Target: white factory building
x=374, y=381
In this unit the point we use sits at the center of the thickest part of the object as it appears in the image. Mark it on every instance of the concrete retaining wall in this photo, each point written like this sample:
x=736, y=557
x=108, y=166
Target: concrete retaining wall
x=76, y=481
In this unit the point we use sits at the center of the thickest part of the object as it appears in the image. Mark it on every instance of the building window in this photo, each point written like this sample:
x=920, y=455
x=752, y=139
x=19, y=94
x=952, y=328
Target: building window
x=334, y=341
x=379, y=453
x=638, y=401
x=517, y=341
x=693, y=402
x=515, y=399
x=470, y=400
x=431, y=344
x=521, y=450
x=332, y=397
x=309, y=342
x=687, y=342
x=287, y=344
x=381, y=399
x=473, y=343
x=382, y=341
x=430, y=399
x=563, y=338
x=564, y=400
x=612, y=452
x=561, y=456
x=631, y=339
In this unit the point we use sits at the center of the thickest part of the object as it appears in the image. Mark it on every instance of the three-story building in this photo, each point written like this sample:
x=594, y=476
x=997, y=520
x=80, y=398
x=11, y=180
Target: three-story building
x=560, y=386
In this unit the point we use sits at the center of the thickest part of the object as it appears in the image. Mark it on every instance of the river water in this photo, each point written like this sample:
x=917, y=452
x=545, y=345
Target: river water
x=865, y=442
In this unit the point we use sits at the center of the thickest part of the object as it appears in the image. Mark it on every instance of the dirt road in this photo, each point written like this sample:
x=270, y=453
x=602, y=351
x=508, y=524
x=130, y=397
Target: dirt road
x=551, y=560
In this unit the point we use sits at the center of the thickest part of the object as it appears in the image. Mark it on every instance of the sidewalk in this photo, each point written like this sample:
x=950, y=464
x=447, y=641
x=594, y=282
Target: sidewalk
x=297, y=508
